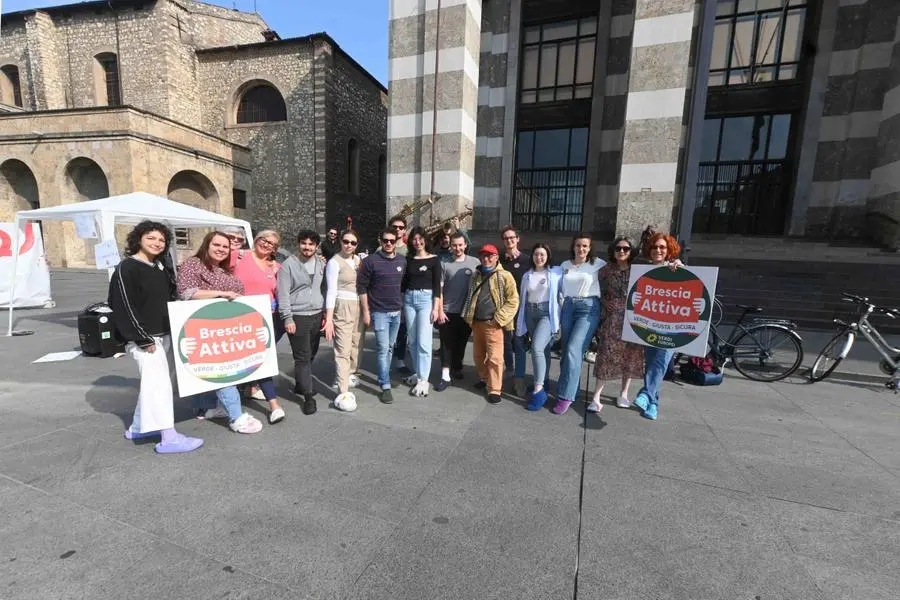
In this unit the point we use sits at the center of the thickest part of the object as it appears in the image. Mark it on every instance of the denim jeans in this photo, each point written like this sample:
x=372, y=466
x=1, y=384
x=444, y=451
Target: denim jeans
x=417, y=305
x=537, y=320
x=385, y=325
x=656, y=363
x=514, y=353
x=578, y=322
x=229, y=397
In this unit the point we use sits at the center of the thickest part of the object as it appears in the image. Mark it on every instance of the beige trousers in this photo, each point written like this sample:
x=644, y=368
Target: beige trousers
x=348, y=329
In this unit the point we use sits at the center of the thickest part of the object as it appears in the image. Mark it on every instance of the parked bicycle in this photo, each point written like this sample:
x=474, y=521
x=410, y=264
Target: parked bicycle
x=839, y=346
x=764, y=350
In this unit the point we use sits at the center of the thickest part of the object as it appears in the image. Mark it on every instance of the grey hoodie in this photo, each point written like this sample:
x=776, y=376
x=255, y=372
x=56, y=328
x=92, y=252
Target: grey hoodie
x=298, y=292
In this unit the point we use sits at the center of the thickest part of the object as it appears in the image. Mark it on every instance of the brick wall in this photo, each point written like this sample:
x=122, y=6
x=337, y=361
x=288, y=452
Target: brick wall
x=356, y=107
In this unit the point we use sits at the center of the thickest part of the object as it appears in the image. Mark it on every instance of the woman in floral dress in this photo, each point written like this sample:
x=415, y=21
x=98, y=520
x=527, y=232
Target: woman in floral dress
x=616, y=358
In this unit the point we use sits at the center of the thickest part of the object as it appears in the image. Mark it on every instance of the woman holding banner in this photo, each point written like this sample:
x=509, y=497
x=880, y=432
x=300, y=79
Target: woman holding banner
x=615, y=357
x=662, y=250
x=139, y=293
x=258, y=271
x=204, y=276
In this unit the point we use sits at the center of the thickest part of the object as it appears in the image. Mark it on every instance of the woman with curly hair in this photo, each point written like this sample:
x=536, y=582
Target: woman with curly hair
x=139, y=292
x=616, y=358
x=662, y=250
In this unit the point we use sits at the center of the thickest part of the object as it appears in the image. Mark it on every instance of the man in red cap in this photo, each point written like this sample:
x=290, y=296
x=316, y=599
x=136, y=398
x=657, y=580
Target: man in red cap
x=490, y=310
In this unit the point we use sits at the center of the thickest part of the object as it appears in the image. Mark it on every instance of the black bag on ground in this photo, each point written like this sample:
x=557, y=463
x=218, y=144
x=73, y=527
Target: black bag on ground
x=96, y=331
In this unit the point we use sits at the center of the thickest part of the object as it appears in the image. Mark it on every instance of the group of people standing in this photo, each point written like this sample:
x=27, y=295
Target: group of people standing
x=508, y=303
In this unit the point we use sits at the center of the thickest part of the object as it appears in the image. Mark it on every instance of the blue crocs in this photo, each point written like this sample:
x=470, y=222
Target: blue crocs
x=537, y=400
x=651, y=412
x=642, y=401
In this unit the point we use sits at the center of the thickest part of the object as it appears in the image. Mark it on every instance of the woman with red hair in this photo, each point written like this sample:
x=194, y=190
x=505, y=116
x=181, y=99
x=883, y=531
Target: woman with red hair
x=662, y=250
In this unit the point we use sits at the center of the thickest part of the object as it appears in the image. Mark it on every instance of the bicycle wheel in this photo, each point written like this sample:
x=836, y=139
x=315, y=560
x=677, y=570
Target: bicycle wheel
x=831, y=356
x=767, y=352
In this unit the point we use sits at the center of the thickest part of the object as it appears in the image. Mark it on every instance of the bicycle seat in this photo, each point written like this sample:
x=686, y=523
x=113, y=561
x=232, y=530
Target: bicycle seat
x=748, y=308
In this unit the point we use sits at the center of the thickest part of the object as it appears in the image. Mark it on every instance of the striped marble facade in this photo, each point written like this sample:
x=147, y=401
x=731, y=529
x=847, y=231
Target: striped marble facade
x=411, y=120
x=856, y=183
x=496, y=111
x=657, y=88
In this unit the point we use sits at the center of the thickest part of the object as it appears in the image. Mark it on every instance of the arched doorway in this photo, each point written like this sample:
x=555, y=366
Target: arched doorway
x=85, y=180
x=18, y=189
x=195, y=189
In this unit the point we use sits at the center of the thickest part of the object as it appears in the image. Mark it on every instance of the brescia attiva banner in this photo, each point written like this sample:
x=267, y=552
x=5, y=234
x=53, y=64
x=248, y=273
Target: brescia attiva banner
x=670, y=309
x=218, y=343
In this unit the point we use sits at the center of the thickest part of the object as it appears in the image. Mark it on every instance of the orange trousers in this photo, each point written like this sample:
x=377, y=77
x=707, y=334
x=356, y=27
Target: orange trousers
x=487, y=351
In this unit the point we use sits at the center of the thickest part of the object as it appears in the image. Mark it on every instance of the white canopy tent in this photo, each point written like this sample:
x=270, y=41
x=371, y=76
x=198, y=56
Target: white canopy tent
x=127, y=209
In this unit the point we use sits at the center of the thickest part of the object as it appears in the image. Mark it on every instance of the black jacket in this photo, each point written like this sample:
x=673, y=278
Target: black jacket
x=139, y=294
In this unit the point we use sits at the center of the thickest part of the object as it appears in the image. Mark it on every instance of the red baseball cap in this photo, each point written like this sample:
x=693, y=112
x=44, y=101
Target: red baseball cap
x=488, y=249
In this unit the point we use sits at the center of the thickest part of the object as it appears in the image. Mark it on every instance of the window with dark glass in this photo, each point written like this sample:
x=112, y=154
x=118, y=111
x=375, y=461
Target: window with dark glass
x=744, y=175
x=757, y=41
x=548, y=194
x=10, y=85
x=261, y=104
x=182, y=238
x=558, y=60
x=239, y=198
x=109, y=66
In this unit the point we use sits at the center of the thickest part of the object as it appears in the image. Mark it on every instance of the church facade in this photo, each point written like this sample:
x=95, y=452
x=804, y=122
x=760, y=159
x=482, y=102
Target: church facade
x=191, y=101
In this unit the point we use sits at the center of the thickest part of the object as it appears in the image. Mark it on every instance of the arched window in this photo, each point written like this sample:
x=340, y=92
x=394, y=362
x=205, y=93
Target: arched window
x=10, y=87
x=353, y=167
x=106, y=79
x=260, y=104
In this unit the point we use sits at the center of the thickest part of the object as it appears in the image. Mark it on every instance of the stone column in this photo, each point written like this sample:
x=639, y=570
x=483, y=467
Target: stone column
x=412, y=75
x=659, y=77
x=43, y=57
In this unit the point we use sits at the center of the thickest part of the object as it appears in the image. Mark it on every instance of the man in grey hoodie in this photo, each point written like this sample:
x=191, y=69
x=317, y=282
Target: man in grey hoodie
x=300, y=302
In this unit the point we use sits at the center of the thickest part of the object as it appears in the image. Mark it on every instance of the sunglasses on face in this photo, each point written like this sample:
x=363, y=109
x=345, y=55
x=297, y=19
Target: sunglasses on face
x=267, y=243
x=388, y=240
x=623, y=248
x=349, y=242
x=508, y=238
x=399, y=226
x=236, y=240
x=663, y=247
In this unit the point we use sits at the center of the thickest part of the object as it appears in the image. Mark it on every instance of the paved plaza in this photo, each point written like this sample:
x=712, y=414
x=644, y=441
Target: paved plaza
x=743, y=491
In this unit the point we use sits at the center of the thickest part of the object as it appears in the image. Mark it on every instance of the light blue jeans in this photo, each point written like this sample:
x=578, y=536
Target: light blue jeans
x=386, y=325
x=578, y=321
x=537, y=320
x=228, y=396
x=656, y=363
x=417, y=306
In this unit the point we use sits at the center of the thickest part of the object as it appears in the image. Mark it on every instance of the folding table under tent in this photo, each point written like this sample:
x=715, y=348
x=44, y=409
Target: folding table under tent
x=127, y=209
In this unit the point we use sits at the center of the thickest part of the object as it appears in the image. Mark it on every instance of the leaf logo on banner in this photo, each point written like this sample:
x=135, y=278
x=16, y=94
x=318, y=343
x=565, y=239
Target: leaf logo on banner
x=6, y=243
x=224, y=342
x=668, y=309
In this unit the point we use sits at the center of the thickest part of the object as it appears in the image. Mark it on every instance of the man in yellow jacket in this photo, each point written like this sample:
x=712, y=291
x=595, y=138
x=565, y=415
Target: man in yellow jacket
x=490, y=310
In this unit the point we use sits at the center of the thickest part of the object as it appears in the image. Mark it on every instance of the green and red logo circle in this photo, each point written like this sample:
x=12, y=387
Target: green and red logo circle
x=668, y=309
x=224, y=342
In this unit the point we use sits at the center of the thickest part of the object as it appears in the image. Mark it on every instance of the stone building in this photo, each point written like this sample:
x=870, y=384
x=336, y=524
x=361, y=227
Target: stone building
x=740, y=117
x=202, y=104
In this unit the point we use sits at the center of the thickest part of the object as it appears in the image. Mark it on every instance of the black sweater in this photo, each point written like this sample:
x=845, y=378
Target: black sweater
x=423, y=274
x=138, y=295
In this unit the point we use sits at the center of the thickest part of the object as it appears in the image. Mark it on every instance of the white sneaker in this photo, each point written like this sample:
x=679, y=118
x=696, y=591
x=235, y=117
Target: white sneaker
x=590, y=357
x=623, y=402
x=353, y=381
x=421, y=389
x=412, y=380
x=218, y=412
x=246, y=424
x=345, y=402
x=258, y=394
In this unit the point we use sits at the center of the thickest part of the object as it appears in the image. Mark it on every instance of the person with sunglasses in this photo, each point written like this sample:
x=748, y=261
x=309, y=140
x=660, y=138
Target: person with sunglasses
x=300, y=303
x=378, y=285
x=238, y=244
x=330, y=245
x=616, y=358
x=662, y=250
x=342, y=322
x=258, y=271
x=404, y=361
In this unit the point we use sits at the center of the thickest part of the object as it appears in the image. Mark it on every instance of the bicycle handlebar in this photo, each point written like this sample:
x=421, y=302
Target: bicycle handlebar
x=893, y=313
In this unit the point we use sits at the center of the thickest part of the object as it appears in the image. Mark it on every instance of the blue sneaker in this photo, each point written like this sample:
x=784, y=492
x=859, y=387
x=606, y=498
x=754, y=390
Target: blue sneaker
x=651, y=412
x=642, y=401
x=537, y=401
